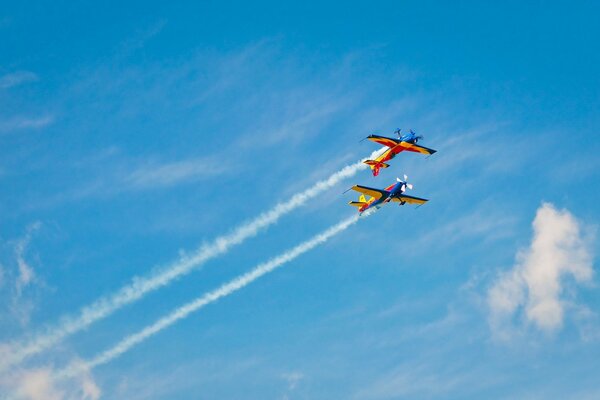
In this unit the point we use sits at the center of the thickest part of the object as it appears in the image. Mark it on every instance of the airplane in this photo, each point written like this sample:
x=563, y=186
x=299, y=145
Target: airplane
x=407, y=142
x=379, y=197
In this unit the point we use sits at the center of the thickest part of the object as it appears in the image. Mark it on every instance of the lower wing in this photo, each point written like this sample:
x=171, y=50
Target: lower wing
x=409, y=199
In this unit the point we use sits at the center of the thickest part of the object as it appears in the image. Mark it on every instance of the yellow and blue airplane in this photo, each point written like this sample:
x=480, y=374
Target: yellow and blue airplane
x=404, y=142
x=379, y=197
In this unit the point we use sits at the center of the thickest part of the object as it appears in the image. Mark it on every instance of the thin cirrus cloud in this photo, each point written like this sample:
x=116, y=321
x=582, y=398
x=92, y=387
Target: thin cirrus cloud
x=119, y=176
x=26, y=273
x=16, y=79
x=19, y=279
x=22, y=123
x=535, y=286
x=167, y=174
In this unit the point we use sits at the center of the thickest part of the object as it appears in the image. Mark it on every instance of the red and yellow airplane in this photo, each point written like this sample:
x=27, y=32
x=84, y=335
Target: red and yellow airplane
x=404, y=142
x=379, y=197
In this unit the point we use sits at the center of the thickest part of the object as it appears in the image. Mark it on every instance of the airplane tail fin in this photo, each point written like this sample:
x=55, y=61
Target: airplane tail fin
x=375, y=166
x=362, y=198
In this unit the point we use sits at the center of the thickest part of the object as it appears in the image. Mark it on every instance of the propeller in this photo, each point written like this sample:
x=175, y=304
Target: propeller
x=418, y=137
x=407, y=185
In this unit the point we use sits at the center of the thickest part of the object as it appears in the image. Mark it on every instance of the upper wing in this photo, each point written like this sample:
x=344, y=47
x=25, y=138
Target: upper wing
x=409, y=199
x=417, y=148
x=389, y=142
x=377, y=193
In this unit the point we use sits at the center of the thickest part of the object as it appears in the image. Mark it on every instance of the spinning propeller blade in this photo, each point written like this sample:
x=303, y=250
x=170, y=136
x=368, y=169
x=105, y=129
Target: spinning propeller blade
x=406, y=185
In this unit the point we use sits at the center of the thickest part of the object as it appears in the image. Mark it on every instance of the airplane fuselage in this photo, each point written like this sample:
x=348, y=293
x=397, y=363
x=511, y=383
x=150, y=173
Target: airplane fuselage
x=393, y=191
x=409, y=138
x=393, y=151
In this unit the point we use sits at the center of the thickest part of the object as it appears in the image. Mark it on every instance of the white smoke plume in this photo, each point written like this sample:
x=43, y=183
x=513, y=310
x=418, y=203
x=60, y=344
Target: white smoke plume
x=210, y=297
x=140, y=286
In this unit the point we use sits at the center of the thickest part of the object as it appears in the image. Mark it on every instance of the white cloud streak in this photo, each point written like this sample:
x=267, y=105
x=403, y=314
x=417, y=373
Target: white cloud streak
x=536, y=282
x=18, y=123
x=1, y=276
x=140, y=286
x=17, y=78
x=26, y=274
x=20, y=280
x=210, y=297
x=171, y=173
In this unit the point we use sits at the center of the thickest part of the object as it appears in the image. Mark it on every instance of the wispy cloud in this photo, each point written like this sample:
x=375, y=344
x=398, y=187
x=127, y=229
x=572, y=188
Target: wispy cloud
x=17, y=78
x=19, y=281
x=108, y=175
x=479, y=223
x=152, y=383
x=536, y=284
x=307, y=114
x=210, y=297
x=2, y=273
x=140, y=286
x=39, y=384
x=293, y=380
x=26, y=273
x=167, y=174
x=19, y=277
x=141, y=37
x=413, y=381
x=21, y=123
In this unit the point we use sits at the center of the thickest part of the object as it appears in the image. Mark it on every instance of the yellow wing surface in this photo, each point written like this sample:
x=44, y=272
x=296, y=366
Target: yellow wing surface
x=376, y=193
x=389, y=142
x=410, y=199
x=394, y=143
x=416, y=148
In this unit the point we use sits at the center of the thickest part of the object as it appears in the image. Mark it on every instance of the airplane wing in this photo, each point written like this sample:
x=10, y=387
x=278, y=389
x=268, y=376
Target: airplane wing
x=409, y=199
x=377, y=193
x=389, y=142
x=416, y=148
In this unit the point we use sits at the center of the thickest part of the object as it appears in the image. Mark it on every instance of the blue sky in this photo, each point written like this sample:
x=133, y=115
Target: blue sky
x=132, y=135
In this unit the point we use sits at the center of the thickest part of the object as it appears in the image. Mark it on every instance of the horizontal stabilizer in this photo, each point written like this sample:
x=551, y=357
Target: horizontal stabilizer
x=357, y=203
x=374, y=163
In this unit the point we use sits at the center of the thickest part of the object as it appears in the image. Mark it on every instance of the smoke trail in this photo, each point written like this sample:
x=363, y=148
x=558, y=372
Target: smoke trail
x=225, y=290
x=142, y=285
